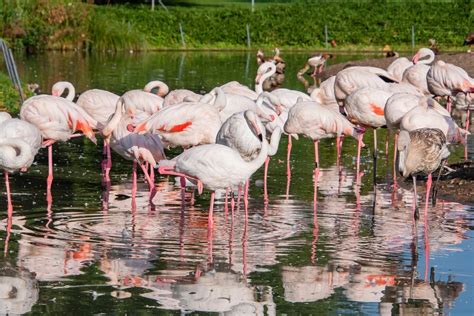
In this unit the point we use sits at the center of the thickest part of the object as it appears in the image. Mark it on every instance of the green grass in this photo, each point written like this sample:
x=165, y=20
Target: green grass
x=9, y=97
x=356, y=25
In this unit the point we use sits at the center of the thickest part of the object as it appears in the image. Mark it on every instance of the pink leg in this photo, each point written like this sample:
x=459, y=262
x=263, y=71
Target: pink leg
x=338, y=150
x=427, y=244
x=468, y=122
x=316, y=153
x=386, y=146
x=246, y=200
x=395, y=149
x=49, y=180
x=210, y=224
x=288, y=169
x=359, y=146
x=415, y=204
x=210, y=219
x=9, y=197
x=134, y=180
x=232, y=205
x=226, y=205
x=265, y=174
x=315, y=218
x=449, y=105
x=151, y=184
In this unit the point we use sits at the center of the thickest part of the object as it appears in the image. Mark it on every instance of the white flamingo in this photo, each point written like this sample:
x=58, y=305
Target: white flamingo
x=138, y=148
x=19, y=144
x=416, y=74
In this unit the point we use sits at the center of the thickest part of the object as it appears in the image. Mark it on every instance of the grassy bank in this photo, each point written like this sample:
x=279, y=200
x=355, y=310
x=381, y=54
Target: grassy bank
x=353, y=24
x=9, y=97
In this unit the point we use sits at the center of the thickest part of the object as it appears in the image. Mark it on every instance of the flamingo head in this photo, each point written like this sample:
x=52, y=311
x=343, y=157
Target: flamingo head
x=415, y=58
x=253, y=123
x=266, y=67
x=56, y=92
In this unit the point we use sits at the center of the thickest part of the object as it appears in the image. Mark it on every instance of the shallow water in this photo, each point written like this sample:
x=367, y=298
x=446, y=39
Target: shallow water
x=345, y=247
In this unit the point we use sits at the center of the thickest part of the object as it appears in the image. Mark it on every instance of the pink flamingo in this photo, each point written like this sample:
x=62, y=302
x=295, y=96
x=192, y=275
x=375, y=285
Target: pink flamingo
x=365, y=107
x=99, y=104
x=317, y=122
x=185, y=124
x=416, y=74
x=143, y=101
x=446, y=79
x=421, y=151
x=352, y=79
x=429, y=114
x=180, y=95
x=398, y=67
x=139, y=148
x=214, y=166
x=235, y=87
x=19, y=144
x=57, y=119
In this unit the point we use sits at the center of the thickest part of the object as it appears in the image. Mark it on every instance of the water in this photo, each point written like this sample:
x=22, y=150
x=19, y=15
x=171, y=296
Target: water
x=351, y=248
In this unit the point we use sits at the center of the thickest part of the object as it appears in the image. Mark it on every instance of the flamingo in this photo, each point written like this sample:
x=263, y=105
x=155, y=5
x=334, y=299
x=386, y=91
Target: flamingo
x=244, y=132
x=444, y=79
x=396, y=107
x=143, y=101
x=235, y=87
x=232, y=103
x=416, y=74
x=465, y=102
x=317, y=122
x=317, y=62
x=139, y=148
x=398, y=67
x=421, y=151
x=214, y=166
x=429, y=113
x=352, y=79
x=365, y=107
x=325, y=94
x=179, y=95
x=19, y=144
x=57, y=119
x=184, y=124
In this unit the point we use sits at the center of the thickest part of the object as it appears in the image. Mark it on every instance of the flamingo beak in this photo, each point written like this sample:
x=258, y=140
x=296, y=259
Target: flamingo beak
x=141, y=128
x=55, y=93
x=415, y=58
x=257, y=130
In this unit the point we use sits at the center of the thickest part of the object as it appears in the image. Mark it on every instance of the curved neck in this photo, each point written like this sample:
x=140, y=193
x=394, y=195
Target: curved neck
x=220, y=101
x=114, y=120
x=59, y=87
x=431, y=58
x=274, y=141
x=260, y=159
x=163, y=88
x=14, y=154
x=263, y=77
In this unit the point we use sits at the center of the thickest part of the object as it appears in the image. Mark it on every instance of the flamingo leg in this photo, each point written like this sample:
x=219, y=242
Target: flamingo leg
x=386, y=146
x=415, y=204
x=288, y=155
x=395, y=149
x=49, y=180
x=375, y=156
x=316, y=153
x=9, y=197
x=210, y=219
x=434, y=192
x=449, y=104
x=466, y=126
x=427, y=244
x=359, y=146
x=150, y=181
x=134, y=180
x=265, y=174
x=226, y=206
x=338, y=150
x=246, y=200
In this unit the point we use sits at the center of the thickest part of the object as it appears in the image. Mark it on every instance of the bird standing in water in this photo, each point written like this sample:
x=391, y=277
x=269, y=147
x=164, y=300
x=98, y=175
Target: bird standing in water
x=421, y=151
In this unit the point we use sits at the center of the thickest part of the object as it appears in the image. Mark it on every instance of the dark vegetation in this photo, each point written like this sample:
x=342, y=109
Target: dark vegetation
x=60, y=24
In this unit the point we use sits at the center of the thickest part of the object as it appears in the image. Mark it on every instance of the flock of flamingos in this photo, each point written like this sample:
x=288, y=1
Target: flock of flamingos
x=229, y=133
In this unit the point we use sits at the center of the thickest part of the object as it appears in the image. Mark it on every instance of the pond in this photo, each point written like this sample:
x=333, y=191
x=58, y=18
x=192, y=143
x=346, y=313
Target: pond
x=345, y=246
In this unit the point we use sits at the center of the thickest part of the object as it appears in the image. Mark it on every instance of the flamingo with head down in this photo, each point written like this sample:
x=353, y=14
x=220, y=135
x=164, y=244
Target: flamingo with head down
x=19, y=144
x=144, y=101
x=416, y=74
x=138, y=148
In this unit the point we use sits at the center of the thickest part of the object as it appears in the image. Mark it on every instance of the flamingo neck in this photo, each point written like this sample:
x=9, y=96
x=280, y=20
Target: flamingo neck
x=15, y=154
x=265, y=76
x=431, y=58
x=114, y=120
x=163, y=88
x=260, y=159
x=274, y=141
x=59, y=87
